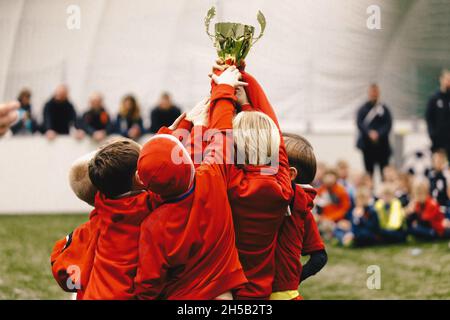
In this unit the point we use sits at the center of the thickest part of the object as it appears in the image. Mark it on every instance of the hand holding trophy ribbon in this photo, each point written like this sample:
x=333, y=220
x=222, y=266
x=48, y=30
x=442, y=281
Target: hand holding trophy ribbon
x=233, y=40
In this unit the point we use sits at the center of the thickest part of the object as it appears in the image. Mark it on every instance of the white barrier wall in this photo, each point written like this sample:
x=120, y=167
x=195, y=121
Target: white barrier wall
x=34, y=171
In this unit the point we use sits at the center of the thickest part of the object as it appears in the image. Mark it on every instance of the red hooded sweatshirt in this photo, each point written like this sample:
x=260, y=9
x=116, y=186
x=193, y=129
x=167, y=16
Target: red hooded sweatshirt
x=298, y=236
x=259, y=204
x=103, y=253
x=187, y=247
x=430, y=212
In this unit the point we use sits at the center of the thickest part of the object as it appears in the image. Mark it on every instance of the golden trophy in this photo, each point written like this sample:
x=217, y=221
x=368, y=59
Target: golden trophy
x=233, y=40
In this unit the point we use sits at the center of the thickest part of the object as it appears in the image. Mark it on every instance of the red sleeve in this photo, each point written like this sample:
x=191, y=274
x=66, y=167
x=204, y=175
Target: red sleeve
x=311, y=239
x=72, y=257
x=221, y=110
x=181, y=132
x=434, y=216
x=288, y=252
x=219, y=150
x=152, y=266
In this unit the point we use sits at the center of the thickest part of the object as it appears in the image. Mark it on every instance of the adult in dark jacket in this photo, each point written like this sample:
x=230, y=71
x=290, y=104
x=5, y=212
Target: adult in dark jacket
x=374, y=123
x=60, y=115
x=95, y=122
x=164, y=114
x=129, y=121
x=437, y=115
x=27, y=124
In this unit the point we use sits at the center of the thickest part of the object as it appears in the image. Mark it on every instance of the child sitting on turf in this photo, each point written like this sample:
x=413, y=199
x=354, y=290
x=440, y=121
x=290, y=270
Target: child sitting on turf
x=187, y=247
x=365, y=226
x=439, y=178
x=403, y=188
x=391, y=216
x=424, y=217
x=333, y=204
x=104, y=251
x=298, y=235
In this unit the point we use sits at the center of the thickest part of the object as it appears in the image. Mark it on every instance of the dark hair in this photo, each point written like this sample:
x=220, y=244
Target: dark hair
x=135, y=112
x=24, y=93
x=301, y=156
x=113, y=168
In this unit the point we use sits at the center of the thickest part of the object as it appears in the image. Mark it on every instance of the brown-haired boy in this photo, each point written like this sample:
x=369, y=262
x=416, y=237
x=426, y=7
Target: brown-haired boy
x=298, y=234
x=100, y=257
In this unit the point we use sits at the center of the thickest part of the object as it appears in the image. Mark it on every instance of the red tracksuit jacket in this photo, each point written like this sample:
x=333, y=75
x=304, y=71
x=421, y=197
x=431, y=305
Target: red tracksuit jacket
x=259, y=202
x=105, y=249
x=187, y=248
x=298, y=236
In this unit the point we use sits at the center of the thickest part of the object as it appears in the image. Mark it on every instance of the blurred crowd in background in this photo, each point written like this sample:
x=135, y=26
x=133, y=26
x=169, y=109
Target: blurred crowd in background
x=352, y=211
x=409, y=203
x=60, y=117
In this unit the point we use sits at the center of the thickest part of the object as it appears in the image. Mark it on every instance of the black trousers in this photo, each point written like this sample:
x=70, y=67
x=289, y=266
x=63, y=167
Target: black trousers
x=373, y=157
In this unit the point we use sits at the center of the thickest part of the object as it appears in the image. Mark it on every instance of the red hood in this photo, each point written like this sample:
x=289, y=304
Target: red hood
x=165, y=167
x=134, y=207
x=306, y=194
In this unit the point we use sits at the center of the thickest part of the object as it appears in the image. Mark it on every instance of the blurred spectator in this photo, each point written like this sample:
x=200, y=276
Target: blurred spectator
x=403, y=188
x=439, y=178
x=343, y=173
x=318, y=179
x=8, y=115
x=96, y=121
x=425, y=219
x=333, y=201
x=364, y=222
x=364, y=180
x=391, y=216
x=438, y=115
x=129, y=121
x=60, y=115
x=164, y=114
x=27, y=124
x=390, y=174
x=374, y=123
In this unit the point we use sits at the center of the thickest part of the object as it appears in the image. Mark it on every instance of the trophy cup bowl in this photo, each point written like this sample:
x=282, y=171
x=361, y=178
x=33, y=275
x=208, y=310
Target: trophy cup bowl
x=233, y=40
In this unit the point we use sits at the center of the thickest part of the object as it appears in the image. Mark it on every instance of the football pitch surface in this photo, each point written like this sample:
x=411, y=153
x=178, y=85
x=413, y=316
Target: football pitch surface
x=410, y=271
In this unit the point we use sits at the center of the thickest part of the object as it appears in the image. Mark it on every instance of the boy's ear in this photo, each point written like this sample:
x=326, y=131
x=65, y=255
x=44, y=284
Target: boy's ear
x=293, y=173
x=138, y=182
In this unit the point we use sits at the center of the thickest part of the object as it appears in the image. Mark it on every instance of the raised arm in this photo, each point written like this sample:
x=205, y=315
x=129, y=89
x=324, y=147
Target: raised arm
x=257, y=98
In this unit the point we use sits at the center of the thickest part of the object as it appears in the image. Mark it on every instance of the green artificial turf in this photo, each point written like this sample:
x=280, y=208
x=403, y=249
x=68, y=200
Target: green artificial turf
x=26, y=242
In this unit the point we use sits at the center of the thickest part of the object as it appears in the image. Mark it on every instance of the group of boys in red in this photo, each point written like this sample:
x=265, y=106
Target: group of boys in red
x=208, y=230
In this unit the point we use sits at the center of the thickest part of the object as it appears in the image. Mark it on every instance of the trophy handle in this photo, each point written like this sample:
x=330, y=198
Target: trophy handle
x=209, y=16
x=262, y=23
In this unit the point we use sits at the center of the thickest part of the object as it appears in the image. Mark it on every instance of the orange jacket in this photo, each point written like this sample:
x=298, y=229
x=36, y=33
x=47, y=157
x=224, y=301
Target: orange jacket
x=337, y=209
x=187, y=247
x=104, y=250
